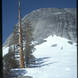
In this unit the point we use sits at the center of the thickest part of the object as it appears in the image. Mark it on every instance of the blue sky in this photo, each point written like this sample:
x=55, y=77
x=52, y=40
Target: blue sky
x=10, y=11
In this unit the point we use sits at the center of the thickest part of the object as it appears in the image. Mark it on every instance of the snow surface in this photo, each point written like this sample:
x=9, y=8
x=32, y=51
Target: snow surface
x=61, y=61
x=5, y=51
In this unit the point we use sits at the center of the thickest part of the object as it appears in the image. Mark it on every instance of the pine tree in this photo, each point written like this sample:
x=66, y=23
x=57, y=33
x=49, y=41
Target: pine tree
x=28, y=46
x=20, y=37
x=9, y=62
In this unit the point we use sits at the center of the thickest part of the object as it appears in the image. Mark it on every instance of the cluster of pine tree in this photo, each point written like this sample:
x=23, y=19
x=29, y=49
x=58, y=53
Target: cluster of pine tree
x=10, y=61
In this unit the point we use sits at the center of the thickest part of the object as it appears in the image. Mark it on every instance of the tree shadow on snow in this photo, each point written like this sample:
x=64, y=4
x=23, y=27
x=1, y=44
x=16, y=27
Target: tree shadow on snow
x=40, y=62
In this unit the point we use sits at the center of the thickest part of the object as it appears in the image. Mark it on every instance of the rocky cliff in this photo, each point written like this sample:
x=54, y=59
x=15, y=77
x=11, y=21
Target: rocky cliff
x=50, y=21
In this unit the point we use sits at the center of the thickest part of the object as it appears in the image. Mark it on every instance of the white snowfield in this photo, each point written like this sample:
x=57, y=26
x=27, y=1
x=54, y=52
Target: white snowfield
x=61, y=61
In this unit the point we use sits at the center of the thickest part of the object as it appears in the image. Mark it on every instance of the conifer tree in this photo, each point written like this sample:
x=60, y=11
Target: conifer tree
x=28, y=46
x=9, y=62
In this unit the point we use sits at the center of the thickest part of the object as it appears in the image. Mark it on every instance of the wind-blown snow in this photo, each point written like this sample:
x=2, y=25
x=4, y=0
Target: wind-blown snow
x=62, y=62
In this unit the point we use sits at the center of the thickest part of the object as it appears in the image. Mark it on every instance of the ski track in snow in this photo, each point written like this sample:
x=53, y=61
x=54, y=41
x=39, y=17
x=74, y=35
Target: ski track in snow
x=62, y=61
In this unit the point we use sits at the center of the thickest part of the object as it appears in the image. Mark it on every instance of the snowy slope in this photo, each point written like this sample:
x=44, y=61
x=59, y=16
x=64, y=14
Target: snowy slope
x=62, y=61
x=5, y=50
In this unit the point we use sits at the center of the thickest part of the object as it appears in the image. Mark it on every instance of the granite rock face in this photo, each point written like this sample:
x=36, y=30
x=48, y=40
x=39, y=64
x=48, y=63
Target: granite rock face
x=51, y=21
